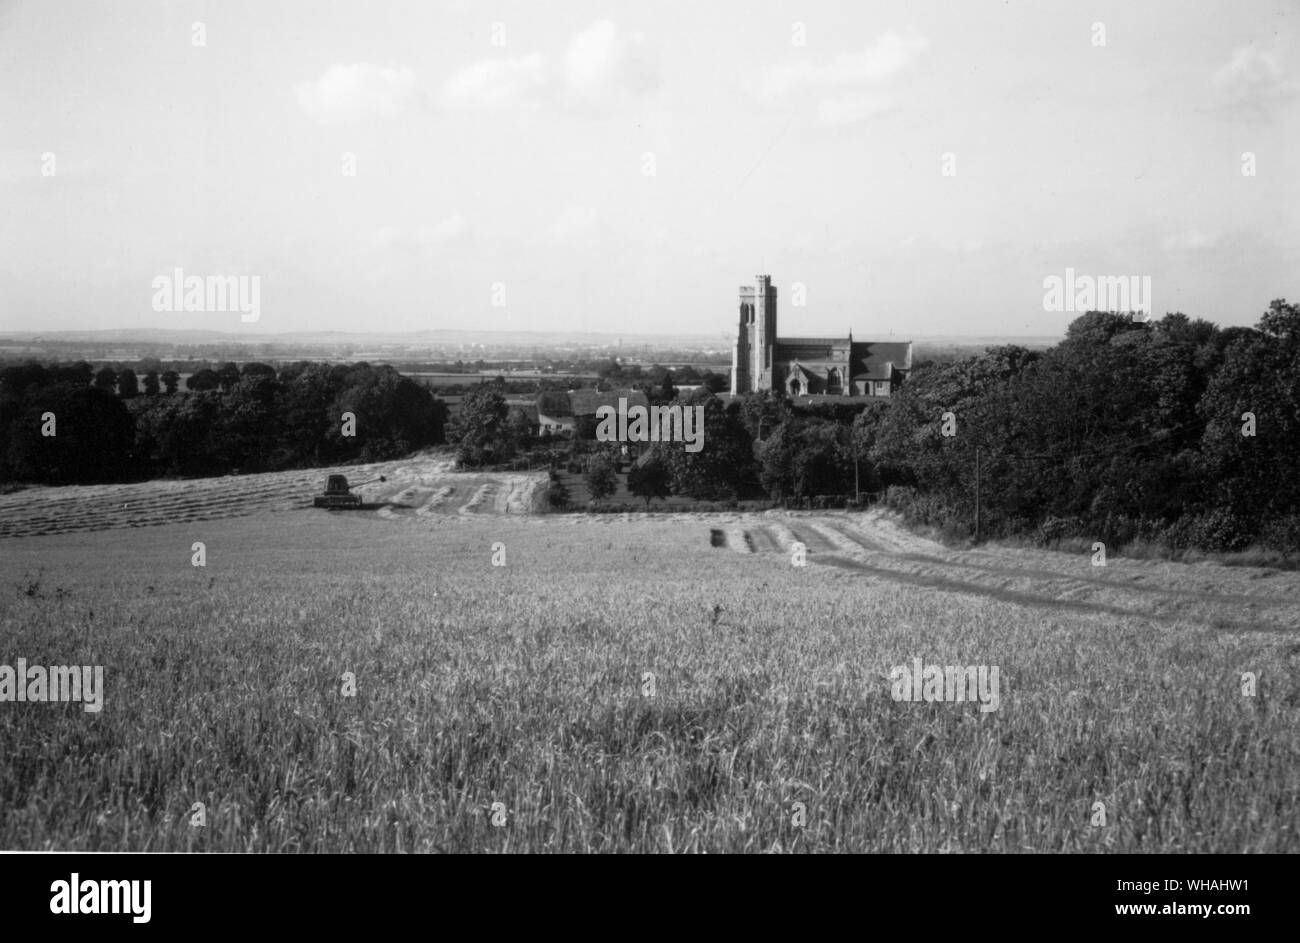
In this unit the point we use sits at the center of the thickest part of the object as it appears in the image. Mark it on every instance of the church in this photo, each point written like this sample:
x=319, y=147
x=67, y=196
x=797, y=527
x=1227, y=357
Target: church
x=809, y=366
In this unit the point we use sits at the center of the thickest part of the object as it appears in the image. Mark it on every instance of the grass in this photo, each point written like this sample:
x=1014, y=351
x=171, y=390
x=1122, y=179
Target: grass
x=1138, y=549
x=523, y=685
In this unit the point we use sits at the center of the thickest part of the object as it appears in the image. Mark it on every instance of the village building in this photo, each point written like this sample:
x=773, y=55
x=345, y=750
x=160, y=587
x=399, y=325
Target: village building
x=558, y=413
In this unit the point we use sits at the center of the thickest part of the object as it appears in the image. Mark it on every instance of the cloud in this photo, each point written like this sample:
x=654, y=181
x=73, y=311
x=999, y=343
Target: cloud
x=888, y=55
x=601, y=67
x=1190, y=240
x=356, y=92
x=845, y=90
x=495, y=83
x=1253, y=81
x=603, y=64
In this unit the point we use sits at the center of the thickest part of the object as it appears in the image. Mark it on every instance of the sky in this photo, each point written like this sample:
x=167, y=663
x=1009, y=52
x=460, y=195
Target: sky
x=904, y=169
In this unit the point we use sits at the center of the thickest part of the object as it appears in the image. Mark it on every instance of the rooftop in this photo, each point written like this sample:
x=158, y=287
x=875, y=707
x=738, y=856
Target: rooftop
x=586, y=402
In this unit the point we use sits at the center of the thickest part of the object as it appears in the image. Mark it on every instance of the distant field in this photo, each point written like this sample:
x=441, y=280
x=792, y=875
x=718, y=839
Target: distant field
x=465, y=379
x=525, y=684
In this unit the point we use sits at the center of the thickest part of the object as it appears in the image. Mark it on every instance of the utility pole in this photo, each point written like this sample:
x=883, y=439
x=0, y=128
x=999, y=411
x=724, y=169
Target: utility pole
x=857, y=492
x=977, y=494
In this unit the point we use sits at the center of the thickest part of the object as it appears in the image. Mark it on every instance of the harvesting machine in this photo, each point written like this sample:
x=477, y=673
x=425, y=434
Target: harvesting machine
x=338, y=496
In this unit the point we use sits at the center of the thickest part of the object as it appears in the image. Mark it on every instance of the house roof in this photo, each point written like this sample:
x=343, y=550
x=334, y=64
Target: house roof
x=554, y=403
x=586, y=402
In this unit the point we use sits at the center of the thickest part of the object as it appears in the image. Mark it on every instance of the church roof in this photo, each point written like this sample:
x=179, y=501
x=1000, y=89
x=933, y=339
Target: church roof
x=877, y=360
x=813, y=341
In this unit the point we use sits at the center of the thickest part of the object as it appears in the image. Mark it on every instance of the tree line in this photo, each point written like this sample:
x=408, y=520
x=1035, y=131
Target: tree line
x=107, y=426
x=1175, y=432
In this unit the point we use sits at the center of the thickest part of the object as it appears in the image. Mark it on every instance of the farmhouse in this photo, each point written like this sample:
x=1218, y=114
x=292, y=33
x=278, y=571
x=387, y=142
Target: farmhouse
x=558, y=412
x=802, y=366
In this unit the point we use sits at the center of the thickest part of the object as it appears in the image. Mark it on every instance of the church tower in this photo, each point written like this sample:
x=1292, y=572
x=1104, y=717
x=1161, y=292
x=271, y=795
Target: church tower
x=765, y=315
x=751, y=359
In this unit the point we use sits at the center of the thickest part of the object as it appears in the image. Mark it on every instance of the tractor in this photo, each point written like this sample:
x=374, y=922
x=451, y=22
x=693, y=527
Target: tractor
x=337, y=497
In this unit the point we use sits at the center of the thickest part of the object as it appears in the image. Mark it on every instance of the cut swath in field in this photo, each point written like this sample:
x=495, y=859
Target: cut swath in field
x=415, y=487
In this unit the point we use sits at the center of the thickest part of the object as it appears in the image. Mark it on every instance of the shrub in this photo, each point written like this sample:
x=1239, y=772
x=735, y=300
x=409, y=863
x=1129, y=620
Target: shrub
x=1281, y=533
x=1216, y=531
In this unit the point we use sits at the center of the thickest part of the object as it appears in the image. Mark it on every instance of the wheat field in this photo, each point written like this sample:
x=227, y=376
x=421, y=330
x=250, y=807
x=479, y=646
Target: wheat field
x=669, y=683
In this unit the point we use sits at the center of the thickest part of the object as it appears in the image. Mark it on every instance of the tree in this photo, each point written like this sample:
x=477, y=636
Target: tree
x=479, y=429
x=247, y=432
x=106, y=379
x=724, y=463
x=306, y=411
x=665, y=393
x=715, y=382
x=203, y=380
x=1098, y=327
x=519, y=428
x=1255, y=476
x=178, y=434
x=75, y=374
x=170, y=380
x=866, y=426
x=776, y=461
x=394, y=414
x=763, y=412
x=1282, y=321
x=557, y=495
x=227, y=375
x=600, y=476
x=127, y=384
x=822, y=460
x=94, y=440
x=151, y=383
x=649, y=477
x=660, y=392
x=258, y=370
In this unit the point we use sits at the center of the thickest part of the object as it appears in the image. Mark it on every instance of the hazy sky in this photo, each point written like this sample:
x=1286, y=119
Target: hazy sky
x=625, y=166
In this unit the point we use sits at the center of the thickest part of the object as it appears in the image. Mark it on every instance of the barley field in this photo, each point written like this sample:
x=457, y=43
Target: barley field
x=625, y=684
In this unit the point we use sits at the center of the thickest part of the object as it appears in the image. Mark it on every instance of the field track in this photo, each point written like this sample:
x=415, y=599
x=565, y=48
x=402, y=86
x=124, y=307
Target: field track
x=872, y=545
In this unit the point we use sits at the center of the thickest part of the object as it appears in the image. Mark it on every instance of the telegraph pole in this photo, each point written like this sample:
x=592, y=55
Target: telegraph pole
x=977, y=494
